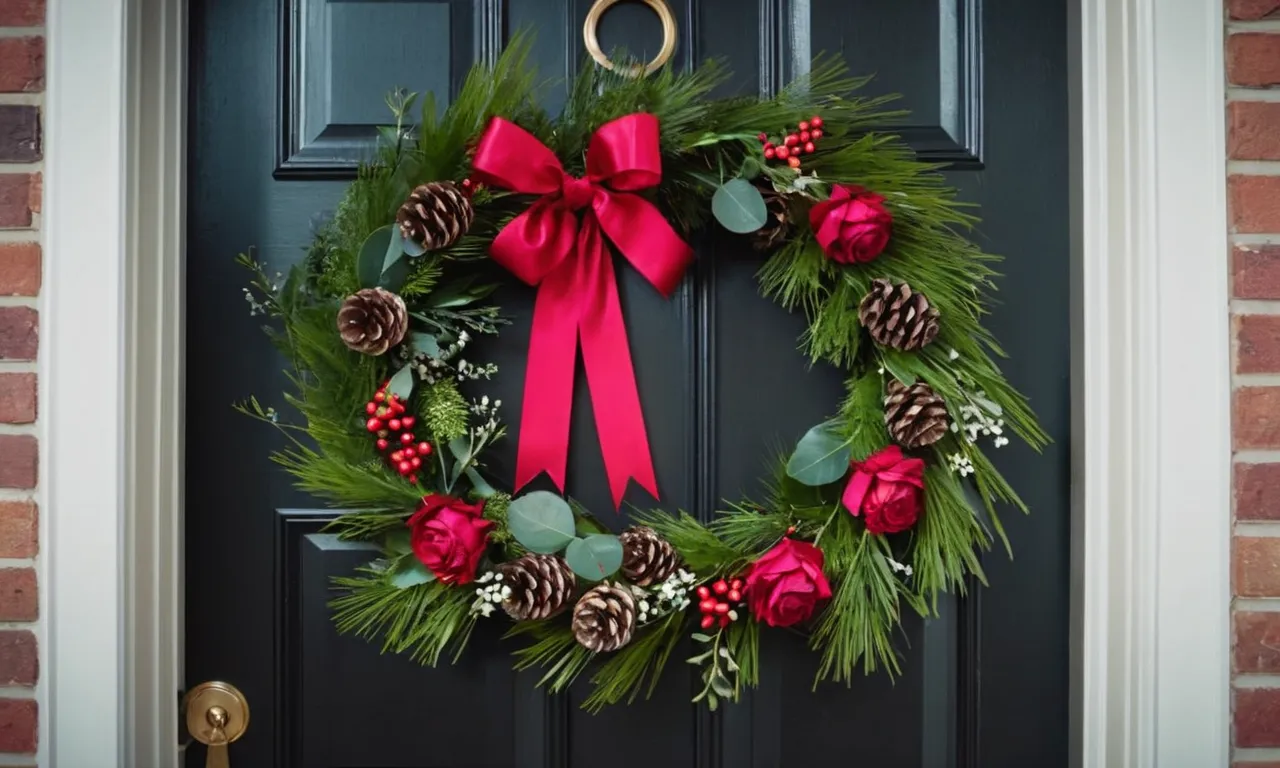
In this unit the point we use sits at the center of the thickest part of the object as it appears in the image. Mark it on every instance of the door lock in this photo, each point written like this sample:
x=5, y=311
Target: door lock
x=217, y=714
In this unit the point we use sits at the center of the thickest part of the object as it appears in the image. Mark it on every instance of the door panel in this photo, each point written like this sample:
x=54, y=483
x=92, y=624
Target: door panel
x=285, y=98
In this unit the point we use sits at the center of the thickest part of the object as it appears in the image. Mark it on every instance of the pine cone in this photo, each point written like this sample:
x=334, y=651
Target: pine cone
x=915, y=415
x=647, y=558
x=435, y=215
x=777, y=224
x=541, y=586
x=604, y=618
x=372, y=321
x=898, y=318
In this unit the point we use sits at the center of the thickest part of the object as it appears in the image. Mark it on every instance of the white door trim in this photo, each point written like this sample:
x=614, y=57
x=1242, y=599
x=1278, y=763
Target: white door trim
x=1151, y=452
x=1152, y=444
x=111, y=380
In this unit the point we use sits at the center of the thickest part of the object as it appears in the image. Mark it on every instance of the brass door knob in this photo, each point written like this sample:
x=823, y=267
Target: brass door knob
x=217, y=714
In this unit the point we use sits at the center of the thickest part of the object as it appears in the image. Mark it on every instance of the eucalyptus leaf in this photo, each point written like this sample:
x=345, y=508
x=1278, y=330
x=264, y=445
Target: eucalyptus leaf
x=413, y=248
x=541, y=521
x=820, y=457
x=394, y=252
x=401, y=383
x=721, y=685
x=479, y=484
x=701, y=637
x=739, y=206
x=594, y=557
x=373, y=253
x=425, y=344
x=411, y=573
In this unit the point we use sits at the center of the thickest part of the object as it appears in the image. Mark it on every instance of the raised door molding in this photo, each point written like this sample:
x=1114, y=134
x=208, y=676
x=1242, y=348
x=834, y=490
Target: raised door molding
x=338, y=58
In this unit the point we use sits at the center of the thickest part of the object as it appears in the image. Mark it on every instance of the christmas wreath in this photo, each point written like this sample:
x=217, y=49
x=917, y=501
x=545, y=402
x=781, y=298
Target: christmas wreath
x=876, y=511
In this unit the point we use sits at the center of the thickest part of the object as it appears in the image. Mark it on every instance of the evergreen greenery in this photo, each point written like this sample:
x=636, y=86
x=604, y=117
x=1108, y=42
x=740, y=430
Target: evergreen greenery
x=705, y=142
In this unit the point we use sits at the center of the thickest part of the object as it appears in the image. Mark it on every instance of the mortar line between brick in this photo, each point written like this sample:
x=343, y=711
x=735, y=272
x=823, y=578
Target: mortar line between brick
x=1250, y=755
x=1257, y=605
x=17, y=366
x=1257, y=530
x=36, y=31
x=1253, y=681
x=38, y=167
x=18, y=301
x=1240, y=380
x=1236, y=26
x=1255, y=306
x=25, y=99
x=1253, y=168
x=16, y=692
x=17, y=429
x=17, y=562
x=1237, y=93
x=1244, y=241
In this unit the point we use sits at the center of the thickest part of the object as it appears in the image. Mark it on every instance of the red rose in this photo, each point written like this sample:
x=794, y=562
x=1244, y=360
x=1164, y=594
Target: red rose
x=852, y=226
x=449, y=536
x=786, y=583
x=887, y=490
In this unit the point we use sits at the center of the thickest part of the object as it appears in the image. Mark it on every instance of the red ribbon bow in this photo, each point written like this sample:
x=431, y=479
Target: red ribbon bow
x=551, y=247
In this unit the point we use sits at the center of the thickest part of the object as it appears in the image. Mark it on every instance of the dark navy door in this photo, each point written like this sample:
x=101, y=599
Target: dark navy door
x=285, y=95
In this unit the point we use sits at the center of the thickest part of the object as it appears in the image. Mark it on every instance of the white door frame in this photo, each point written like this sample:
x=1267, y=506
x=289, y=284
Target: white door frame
x=1151, y=452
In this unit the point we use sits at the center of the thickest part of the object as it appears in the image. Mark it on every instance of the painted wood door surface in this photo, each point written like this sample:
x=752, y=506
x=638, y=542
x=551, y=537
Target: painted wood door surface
x=285, y=95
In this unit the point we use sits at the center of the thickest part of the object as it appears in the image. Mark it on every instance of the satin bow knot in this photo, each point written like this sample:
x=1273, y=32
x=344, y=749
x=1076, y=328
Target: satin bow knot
x=576, y=193
x=559, y=245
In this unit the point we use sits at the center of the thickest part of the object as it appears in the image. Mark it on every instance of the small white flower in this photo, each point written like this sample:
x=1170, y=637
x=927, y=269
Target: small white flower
x=497, y=576
x=953, y=355
x=733, y=615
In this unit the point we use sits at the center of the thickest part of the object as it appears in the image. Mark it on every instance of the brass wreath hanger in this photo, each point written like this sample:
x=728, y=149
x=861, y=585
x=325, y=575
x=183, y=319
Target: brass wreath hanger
x=592, y=41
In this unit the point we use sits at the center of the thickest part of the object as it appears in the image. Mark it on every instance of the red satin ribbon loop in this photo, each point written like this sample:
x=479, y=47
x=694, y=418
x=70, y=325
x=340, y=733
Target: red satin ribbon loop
x=565, y=255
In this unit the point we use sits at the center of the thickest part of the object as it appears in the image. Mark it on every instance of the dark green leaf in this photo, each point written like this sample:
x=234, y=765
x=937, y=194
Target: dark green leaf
x=739, y=206
x=750, y=168
x=900, y=365
x=594, y=557
x=411, y=573
x=398, y=542
x=541, y=521
x=372, y=255
x=820, y=457
x=402, y=383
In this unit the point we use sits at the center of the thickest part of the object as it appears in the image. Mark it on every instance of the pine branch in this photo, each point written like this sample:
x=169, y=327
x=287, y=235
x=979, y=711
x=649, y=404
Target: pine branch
x=425, y=621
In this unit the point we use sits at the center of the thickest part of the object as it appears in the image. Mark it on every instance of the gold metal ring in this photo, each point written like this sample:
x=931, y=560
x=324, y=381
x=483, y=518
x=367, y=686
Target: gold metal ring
x=634, y=70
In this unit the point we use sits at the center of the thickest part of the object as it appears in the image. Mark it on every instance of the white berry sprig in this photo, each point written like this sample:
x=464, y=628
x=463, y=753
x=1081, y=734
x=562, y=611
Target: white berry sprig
x=490, y=595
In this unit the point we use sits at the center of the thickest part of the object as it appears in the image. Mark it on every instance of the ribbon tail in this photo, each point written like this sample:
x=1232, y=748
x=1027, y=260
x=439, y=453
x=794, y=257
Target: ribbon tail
x=606, y=356
x=548, y=388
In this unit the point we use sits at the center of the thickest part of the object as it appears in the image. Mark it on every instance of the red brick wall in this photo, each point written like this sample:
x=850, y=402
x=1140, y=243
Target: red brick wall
x=21, y=102
x=1253, y=150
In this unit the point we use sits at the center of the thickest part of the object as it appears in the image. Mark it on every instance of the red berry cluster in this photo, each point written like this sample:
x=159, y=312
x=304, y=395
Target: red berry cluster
x=387, y=420
x=717, y=601
x=802, y=141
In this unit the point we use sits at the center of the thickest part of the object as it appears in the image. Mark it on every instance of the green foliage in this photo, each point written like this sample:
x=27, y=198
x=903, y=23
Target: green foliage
x=444, y=410
x=637, y=666
x=425, y=621
x=702, y=550
x=710, y=152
